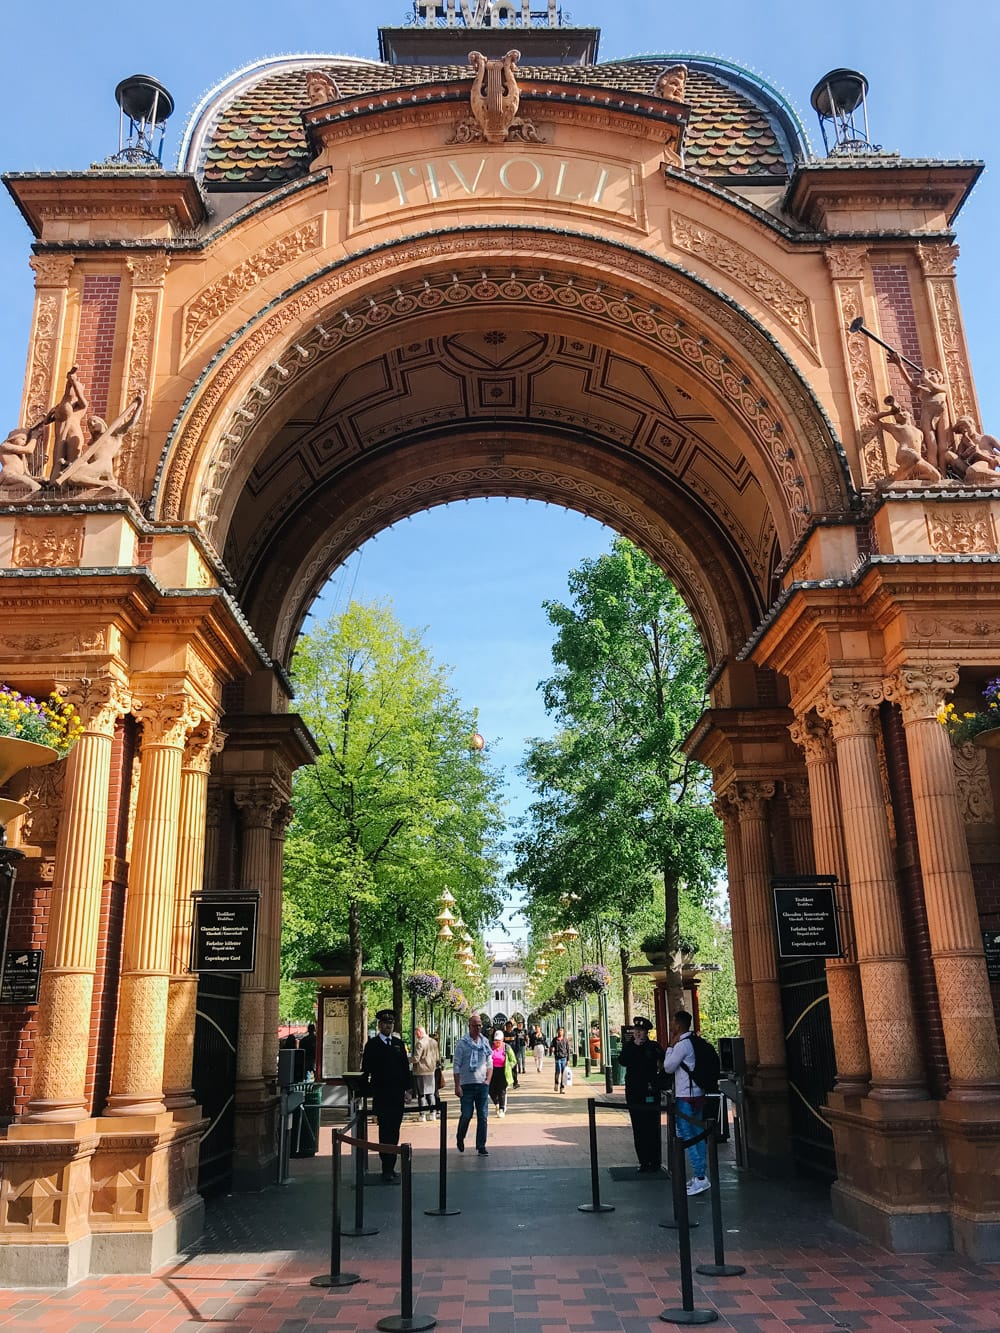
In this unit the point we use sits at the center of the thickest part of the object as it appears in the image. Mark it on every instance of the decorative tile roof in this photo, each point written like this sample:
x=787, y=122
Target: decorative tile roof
x=250, y=134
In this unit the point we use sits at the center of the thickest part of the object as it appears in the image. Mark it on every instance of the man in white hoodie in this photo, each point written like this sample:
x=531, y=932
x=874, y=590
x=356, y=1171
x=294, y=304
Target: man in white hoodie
x=689, y=1098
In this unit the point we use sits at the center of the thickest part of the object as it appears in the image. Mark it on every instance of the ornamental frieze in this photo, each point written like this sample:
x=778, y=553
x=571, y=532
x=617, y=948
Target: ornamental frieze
x=201, y=313
x=59, y=545
x=790, y=304
x=962, y=529
x=265, y=340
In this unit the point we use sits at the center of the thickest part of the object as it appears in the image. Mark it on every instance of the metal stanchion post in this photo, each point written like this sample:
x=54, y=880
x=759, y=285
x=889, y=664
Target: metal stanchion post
x=595, y=1205
x=442, y=1210
x=677, y=1174
x=335, y=1278
x=360, y=1153
x=609, y=1085
x=406, y=1321
x=687, y=1314
x=720, y=1268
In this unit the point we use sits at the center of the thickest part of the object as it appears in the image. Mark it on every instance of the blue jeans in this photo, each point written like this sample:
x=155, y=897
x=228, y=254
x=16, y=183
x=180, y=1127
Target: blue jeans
x=697, y=1153
x=560, y=1069
x=475, y=1097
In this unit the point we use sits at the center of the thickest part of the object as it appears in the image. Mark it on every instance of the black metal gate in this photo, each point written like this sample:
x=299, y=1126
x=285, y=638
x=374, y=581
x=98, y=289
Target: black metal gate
x=216, y=1033
x=812, y=1066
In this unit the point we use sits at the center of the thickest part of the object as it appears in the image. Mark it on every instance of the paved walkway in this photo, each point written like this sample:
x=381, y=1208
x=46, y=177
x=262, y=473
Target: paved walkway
x=520, y=1257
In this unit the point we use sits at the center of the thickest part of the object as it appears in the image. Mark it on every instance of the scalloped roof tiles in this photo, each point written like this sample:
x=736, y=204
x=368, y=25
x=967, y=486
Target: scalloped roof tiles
x=258, y=141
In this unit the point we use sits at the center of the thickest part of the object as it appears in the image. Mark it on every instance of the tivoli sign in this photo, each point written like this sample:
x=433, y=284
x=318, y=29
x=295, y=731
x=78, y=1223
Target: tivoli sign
x=486, y=13
x=603, y=186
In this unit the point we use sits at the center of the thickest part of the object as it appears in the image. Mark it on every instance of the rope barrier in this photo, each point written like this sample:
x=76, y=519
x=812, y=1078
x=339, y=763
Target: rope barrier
x=595, y=1205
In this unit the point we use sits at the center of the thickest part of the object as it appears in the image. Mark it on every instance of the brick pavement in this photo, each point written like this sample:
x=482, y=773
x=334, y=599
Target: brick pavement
x=520, y=1258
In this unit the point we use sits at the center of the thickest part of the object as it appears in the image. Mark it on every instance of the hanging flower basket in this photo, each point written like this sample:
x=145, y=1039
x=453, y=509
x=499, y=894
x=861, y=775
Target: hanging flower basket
x=975, y=726
x=594, y=978
x=47, y=723
x=423, y=985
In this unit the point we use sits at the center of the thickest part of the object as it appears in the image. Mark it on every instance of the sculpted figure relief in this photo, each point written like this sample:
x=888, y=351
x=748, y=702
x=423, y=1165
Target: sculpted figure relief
x=935, y=417
x=910, y=465
x=14, y=452
x=973, y=458
x=95, y=466
x=69, y=417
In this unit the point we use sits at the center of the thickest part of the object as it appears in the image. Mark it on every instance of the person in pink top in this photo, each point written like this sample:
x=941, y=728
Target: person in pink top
x=504, y=1064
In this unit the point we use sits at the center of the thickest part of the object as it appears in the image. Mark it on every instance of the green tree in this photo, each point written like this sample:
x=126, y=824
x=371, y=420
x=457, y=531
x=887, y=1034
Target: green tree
x=616, y=798
x=397, y=807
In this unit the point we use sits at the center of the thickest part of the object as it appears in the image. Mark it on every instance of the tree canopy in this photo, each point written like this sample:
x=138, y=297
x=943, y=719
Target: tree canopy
x=616, y=799
x=397, y=807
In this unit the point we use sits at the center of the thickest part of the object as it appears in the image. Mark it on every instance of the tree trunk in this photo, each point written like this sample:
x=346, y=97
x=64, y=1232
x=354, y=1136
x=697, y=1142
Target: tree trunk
x=627, y=1000
x=672, y=939
x=355, y=1001
x=398, y=960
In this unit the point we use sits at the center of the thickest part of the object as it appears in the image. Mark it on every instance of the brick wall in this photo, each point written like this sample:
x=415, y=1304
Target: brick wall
x=29, y=917
x=898, y=323
x=95, y=346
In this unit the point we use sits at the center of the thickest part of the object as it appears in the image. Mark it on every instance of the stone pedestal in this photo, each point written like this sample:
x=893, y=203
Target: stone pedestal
x=971, y=1134
x=769, y=1123
x=93, y=1197
x=255, y=1135
x=893, y=1182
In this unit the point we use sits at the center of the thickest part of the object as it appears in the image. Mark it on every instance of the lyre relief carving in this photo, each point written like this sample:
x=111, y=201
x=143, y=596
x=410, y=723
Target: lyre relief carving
x=495, y=101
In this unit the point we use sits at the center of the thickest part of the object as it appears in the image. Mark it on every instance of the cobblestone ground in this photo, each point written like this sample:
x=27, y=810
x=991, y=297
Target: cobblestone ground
x=520, y=1257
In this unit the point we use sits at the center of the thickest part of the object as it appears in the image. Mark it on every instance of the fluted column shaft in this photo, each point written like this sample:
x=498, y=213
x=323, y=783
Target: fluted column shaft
x=182, y=994
x=843, y=977
x=896, y=1065
x=751, y=801
x=737, y=916
x=59, y=1066
x=952, y=915
x=140, y=1034
x=258, y=806
x=272, y=990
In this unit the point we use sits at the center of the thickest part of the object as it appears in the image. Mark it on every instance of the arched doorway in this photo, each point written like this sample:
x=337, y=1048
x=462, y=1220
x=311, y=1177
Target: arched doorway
x=417, y=303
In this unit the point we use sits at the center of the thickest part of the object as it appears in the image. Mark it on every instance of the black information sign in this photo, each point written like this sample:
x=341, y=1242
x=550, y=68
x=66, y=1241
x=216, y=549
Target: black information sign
x=22, y=975
x=805, y=907
x=991, y=944
x=225, y=935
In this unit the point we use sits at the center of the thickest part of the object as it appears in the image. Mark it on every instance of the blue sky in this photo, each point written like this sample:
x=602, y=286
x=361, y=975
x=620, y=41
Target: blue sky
x=475, y=575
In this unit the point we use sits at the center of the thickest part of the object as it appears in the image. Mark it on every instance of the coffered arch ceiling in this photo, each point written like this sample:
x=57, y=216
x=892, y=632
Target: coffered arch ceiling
x=486, y=381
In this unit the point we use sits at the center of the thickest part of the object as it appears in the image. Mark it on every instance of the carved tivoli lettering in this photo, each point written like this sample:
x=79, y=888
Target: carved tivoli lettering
x=610, y=187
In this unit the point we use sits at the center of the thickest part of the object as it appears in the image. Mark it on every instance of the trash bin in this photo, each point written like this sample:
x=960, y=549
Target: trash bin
x=305, y=1131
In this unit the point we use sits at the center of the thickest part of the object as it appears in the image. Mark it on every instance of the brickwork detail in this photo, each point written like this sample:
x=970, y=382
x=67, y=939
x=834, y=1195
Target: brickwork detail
x=898, y=323
x=95, y=347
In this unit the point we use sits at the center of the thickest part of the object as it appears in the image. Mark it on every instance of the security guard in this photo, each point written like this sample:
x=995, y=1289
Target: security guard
x=643, y=1061
x=385, y=1063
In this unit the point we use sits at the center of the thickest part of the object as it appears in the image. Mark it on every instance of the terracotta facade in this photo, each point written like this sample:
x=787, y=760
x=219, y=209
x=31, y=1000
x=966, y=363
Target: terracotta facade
x=402, y=315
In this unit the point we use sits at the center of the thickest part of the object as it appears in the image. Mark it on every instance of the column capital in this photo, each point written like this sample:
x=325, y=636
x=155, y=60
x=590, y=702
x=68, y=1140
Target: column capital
x=258, y=804
x=148, y=270
x=202, y=744
x=920, y=690
x=846, y=262
x=283, y=817
x=797, y=796
x=849, y=706
x=725, y=810
x=812, y=734
x=52, y=270
x=99, y=700
x=168, y=716
x=751, y=797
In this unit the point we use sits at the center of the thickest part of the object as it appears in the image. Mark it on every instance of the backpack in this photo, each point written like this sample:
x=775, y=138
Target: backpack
x=707, y=1065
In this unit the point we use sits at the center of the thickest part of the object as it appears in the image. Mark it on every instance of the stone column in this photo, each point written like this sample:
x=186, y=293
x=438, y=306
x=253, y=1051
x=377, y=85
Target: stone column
x=182, y=994
x=282, y=818
x=843, y=978
x=937, y=262
x=896, y=1066
x=800, y=821
x=137, y=1072
x=726, y=812
x=750, y=799
x=59, y=1067
x=952, y=916
x=258, y=806
x=148, y=273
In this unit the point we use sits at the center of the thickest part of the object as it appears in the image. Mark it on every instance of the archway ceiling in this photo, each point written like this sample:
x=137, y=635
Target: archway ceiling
x=473, y=394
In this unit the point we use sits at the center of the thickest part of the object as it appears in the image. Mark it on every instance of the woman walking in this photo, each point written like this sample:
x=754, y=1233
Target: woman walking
x=503, y=1075
x=560, y=1053
x=426, y=1058
x=538, y=1046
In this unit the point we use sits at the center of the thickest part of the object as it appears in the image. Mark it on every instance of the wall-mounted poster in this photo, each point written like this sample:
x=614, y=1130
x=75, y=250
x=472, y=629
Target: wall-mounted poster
x=22, y=975
x=334, y=1052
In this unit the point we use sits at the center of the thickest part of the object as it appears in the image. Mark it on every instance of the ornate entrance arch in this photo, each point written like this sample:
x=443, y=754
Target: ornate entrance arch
x=632, y=297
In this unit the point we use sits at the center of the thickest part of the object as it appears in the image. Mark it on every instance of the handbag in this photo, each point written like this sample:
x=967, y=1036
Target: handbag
x=439, y=1078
